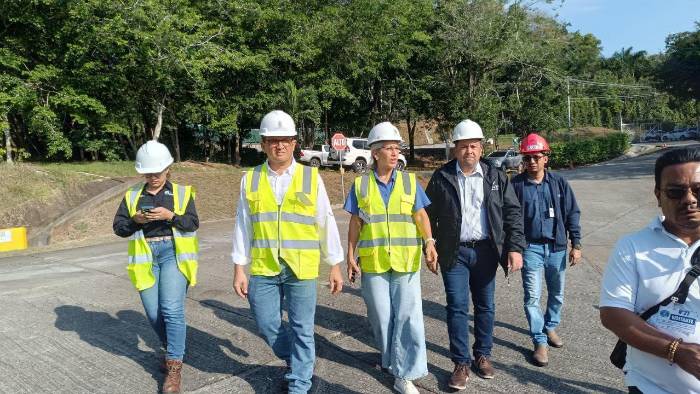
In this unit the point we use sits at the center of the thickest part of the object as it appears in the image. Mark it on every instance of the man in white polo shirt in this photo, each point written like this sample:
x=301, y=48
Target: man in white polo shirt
x=663, y=355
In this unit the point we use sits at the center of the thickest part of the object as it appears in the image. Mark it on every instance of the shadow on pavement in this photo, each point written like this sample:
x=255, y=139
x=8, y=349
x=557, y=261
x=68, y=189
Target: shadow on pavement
x=547, y=383
x=120, y=336
x=240, y=317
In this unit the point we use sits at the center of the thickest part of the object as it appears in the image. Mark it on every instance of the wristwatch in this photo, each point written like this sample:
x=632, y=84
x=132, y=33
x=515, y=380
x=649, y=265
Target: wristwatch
x=577, y=246
x=429, y=240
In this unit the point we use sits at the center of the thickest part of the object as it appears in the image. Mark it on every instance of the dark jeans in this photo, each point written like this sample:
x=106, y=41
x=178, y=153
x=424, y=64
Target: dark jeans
x=475, y=271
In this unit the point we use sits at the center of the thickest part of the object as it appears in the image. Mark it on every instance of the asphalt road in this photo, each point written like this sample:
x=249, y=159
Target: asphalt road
x=71, y=321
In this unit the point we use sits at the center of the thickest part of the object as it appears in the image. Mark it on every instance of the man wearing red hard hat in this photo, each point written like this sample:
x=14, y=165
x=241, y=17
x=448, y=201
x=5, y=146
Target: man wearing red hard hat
x=551, y=218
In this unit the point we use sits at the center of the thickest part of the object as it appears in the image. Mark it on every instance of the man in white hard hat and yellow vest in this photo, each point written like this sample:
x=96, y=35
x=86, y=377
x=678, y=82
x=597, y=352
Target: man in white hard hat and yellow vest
x=160, y=220
x=284, y=229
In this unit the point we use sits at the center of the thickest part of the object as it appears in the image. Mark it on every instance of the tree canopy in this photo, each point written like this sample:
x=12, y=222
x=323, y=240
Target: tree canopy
x=89, y=79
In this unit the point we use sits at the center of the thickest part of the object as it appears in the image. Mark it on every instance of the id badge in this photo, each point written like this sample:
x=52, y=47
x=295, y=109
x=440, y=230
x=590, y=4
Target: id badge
x=675, y=318
x=551, y=212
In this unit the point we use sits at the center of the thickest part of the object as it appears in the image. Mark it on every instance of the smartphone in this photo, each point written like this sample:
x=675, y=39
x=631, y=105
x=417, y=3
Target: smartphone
x=146, y=208
x=353, y=275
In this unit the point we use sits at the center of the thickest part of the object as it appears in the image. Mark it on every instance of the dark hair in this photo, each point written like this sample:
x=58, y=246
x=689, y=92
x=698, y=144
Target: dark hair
x=689, y=154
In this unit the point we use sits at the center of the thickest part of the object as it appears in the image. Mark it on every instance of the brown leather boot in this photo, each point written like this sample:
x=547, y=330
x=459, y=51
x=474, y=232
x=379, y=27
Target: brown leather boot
x=173, y=379
x=554, y=340
x=540, y=356
x=460, y=377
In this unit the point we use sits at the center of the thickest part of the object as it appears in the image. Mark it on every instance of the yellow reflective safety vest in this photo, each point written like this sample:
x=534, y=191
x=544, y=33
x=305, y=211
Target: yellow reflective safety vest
x=289, y=230
x=186, y=243
x=389, y=238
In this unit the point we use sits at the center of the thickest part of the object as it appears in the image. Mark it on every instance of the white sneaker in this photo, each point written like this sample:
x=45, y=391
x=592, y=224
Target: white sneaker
x=404, y=386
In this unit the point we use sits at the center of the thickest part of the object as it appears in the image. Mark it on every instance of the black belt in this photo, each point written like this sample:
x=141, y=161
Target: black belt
x=541, y=241
x=473, y=244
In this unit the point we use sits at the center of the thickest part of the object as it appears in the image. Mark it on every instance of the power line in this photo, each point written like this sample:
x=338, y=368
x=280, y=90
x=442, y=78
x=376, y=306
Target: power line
x=596, y=83
x=613, y=97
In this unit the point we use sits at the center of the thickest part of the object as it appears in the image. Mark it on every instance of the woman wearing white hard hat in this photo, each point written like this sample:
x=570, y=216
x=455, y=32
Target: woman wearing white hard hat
x=388, y=228
x=160, y=219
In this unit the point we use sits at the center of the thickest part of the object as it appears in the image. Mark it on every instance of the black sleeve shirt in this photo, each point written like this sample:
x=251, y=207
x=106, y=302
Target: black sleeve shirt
x=125, y=226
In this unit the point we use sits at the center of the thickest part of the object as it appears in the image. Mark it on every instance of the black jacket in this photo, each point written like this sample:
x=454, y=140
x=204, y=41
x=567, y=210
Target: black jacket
x=502, y=206
x=566, y=211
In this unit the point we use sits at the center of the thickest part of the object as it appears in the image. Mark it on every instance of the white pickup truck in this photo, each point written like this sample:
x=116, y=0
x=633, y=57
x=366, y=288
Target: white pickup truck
x=356, y=156
x=317, y=156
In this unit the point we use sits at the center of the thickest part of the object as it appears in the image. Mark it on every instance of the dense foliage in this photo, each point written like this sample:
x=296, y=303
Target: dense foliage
x=588, y=150
x=93, y=79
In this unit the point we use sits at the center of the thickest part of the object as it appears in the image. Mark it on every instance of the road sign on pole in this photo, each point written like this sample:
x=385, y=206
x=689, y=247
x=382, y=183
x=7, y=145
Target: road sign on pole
x=339, y=143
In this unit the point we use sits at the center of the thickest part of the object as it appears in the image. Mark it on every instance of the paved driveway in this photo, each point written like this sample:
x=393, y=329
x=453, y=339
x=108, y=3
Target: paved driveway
x=71, y=322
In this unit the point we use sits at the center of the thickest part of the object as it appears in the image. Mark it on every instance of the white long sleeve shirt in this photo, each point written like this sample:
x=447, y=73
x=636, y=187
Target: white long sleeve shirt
x=475, y=224
x=331, y=247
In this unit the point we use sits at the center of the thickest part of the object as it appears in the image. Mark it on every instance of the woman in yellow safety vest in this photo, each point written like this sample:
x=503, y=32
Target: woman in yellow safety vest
x=160, y=220
x=388, y=228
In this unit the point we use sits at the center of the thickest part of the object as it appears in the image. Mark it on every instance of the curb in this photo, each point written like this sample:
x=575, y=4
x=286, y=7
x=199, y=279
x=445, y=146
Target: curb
x=43, y=236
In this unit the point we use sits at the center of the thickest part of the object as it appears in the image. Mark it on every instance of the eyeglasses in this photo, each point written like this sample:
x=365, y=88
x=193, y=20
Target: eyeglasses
x=535, y=158
x=472, y=146
x=677, y=193
x=154, y=175
x=285, y=142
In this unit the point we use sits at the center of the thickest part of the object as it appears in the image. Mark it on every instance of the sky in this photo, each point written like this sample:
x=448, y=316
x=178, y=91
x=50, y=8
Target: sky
x=640, y=24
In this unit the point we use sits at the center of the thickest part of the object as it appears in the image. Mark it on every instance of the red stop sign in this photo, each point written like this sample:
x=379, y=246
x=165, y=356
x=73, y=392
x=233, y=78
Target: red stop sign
x=338, y=141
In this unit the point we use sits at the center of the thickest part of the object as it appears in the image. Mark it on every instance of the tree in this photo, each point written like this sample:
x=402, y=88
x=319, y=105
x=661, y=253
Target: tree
x=681, y=67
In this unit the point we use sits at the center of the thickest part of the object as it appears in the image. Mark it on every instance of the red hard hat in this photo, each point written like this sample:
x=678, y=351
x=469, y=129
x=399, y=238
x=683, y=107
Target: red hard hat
x=533, y=143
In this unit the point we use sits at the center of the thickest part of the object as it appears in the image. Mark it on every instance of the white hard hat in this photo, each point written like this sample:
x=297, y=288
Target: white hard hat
x=384, y=131
x=467, y=130
x=277, y=124
x=153, y=157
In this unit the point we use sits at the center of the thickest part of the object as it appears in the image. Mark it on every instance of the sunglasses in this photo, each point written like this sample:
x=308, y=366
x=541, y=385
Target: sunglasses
x=676, y=193
x=535, y=158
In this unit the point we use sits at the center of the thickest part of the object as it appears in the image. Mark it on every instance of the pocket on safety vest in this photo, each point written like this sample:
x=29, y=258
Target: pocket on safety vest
x=365, y=254
x=407, y=203
x=302, y=208
x=310, y=261
x=141, y=275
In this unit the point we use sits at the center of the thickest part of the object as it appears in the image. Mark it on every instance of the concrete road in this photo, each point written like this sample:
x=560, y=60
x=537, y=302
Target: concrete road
x=72, y=323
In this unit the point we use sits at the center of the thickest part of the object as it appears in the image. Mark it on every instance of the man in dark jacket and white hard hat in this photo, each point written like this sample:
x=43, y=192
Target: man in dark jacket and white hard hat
x=477, y=222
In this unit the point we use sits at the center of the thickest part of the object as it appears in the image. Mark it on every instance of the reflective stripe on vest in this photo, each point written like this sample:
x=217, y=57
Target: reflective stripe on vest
x=287, y=231
x=389, y=237
x=186, y=243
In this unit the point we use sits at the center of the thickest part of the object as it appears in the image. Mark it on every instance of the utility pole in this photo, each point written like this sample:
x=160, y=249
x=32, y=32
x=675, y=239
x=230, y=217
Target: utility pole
x=568, y=101
x=620, y=120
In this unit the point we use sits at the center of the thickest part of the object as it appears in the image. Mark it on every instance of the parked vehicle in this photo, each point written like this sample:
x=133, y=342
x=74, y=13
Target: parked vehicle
x=318, y=156
x=505, y=159
x=358, y=156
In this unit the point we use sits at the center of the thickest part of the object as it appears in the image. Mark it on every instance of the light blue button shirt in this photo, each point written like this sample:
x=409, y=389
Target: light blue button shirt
x=471, y=197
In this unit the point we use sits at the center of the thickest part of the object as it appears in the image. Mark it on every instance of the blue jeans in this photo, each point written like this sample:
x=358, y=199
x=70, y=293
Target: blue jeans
x=293, y=343
x=475, y=271
x=395, y=312
x=539, y=257
x=164, y=302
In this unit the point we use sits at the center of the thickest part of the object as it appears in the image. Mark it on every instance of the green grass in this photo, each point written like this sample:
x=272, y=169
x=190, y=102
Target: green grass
x=103, y=168
x=110, y=168
x=20, y=183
